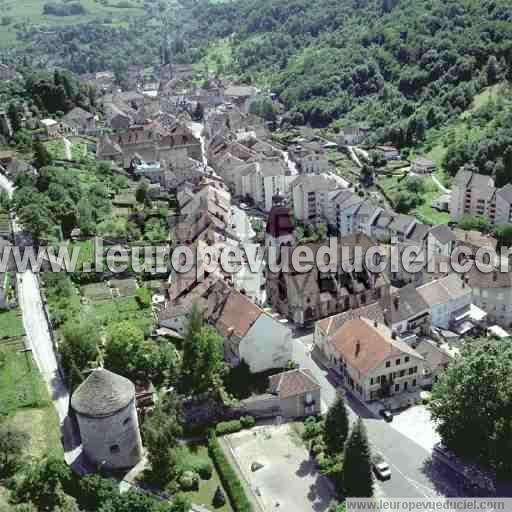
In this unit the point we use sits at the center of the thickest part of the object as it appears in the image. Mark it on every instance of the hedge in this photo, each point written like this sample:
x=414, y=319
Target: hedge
x=230, y=427
x=228, y=477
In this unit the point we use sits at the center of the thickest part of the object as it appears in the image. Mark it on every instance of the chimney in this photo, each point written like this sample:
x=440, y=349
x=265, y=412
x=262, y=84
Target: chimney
x=358, y=347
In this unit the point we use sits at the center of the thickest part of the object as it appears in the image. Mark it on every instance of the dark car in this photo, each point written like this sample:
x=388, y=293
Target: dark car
x=387, y=415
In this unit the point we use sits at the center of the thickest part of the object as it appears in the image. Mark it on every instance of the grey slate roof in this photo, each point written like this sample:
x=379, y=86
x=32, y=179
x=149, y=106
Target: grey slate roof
x=102, y=394
x=419, y=232
x=506, y=193
x=410, y=304
x=443, y=234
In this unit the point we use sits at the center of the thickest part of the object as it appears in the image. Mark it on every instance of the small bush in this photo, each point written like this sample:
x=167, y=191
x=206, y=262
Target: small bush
x=204, y=469
x=189, y=481
x=247, y=421
x=219, y=500
x=228, y=477
x=228, y=427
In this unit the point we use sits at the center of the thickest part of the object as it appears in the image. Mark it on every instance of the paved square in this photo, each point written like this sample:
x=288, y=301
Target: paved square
x=416, y=423
x=288, y=480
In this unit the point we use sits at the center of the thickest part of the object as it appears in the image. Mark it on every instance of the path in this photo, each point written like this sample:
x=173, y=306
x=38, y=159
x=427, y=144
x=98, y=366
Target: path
x=443, y=189
x=67, y=148
x=40, y=342
x=354, y=157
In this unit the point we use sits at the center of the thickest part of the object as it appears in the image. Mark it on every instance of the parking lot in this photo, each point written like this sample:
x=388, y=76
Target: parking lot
x=288, y=479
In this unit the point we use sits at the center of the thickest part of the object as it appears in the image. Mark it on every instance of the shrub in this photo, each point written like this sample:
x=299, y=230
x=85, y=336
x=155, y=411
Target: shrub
x=228, y=477
x=247, y=421
x=189, y=481
x=219, y=500
x=204, y=469
x=228, y=427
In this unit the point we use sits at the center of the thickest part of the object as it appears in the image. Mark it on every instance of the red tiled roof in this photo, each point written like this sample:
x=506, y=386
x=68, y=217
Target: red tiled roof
x=238, y=315
x=293, y=383
x=364, y=346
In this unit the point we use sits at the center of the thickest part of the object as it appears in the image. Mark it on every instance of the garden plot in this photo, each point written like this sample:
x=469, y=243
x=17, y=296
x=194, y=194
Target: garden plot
x=97, y=291
x=123, y=287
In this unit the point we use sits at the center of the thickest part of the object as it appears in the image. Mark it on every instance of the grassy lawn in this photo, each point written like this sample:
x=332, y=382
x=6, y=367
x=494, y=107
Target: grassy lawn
x=25, y=402
x=56, y=149
x=11, y=324
x=86, y=251
x=203, y=496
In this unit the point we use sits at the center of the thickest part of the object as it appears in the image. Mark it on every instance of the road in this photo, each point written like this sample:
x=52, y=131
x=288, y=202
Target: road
x=40, y=342
x=443, y=189
x=197, y=130
x=413, y=474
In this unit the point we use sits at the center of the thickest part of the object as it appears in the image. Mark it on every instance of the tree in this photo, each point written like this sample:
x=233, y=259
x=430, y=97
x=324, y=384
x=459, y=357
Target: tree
x=12, y=444
x=44, y=483
x=357, y=465
x=41, y=156
x=85, y=217
x=477, y=222
x=141, y=193
x=219, y=500
x=122, y=348
x=504, y=235
x=477, y=387
x=202, y=356
x=161, y=431
x=79, y=348
x=336, y=426
x=181, y=503
x=14, y=117
x=492, y=70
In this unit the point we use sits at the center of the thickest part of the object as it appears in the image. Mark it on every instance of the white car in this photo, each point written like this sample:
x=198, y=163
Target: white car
x=382, y=471
x=243, y=206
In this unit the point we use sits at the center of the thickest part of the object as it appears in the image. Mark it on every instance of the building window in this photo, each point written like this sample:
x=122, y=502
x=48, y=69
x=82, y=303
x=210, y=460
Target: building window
x=371, y=381
x=406, y=359
x=114, y=449
x=388, y=364
x=402, y=373
x=397, y=388
x=397, y=362
x=414, y=382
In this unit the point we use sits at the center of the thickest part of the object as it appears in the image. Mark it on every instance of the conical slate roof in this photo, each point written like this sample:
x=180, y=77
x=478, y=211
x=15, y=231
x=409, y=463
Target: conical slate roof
x=103, y=393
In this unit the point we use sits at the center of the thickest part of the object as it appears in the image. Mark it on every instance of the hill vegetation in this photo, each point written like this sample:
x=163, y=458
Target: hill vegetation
x=403, y=65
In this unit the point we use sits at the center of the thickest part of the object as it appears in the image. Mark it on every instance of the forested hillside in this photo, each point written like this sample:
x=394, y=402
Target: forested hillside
x=401, y=65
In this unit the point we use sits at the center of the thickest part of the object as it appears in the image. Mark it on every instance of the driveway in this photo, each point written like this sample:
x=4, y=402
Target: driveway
x=288, y=480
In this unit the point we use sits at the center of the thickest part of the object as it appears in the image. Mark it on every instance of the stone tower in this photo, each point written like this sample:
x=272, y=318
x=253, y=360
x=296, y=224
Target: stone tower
x=107, y=418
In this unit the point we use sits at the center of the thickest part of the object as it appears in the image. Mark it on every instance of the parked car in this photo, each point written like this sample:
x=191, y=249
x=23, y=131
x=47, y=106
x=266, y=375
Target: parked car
x=382, y=471
x=244, y=206
x=387, y=415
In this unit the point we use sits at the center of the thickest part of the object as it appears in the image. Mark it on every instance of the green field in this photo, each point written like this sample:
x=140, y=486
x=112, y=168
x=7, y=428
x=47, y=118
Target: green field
x=30, y=12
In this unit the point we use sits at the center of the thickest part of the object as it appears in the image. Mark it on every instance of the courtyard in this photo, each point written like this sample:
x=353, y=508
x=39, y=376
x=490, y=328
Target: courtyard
x=287, y=478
